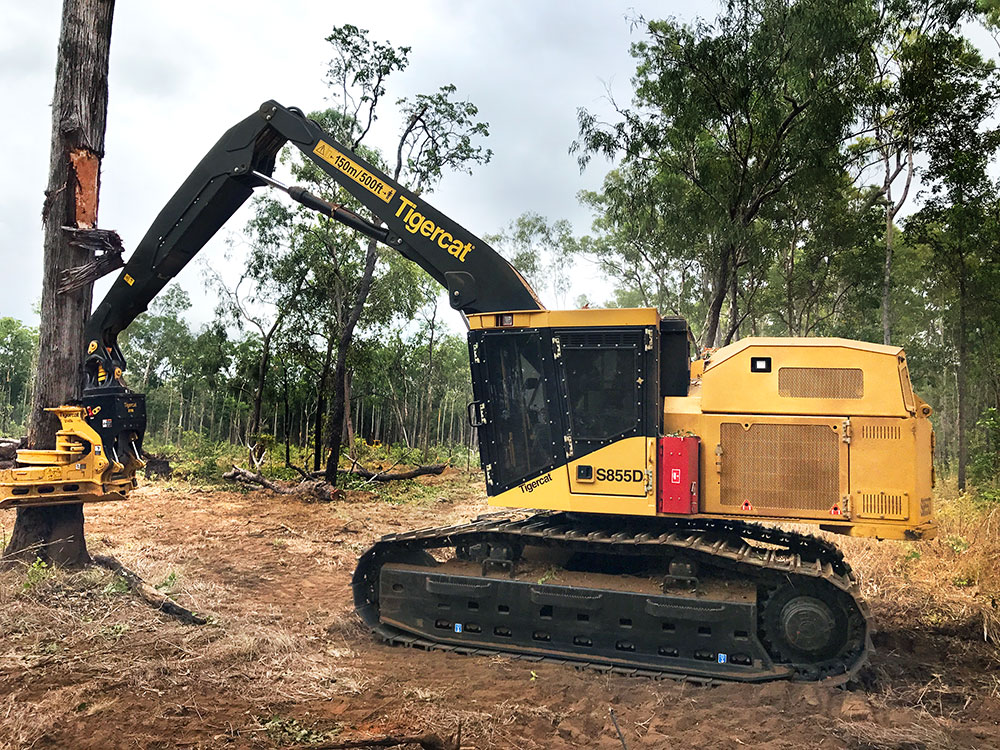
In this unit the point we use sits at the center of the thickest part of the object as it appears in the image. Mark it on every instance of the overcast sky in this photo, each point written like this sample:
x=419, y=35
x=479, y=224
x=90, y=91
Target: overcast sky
x=183, y=72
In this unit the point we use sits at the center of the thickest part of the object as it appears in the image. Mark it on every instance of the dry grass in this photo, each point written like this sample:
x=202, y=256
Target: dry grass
x=55, y=624
x=78, y=653
x=77, y=649
x=865, y=735
x=950, y=584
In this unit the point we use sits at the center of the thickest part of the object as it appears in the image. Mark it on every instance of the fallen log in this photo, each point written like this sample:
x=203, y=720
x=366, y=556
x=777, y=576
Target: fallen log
x=310, y=489
x=148, y=593
x=243, y=476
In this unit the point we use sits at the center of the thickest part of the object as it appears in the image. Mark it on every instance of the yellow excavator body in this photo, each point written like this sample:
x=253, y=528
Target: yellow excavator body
x=823, y=431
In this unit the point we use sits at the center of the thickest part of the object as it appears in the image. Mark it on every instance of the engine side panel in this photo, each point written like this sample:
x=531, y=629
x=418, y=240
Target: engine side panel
x=856, y=457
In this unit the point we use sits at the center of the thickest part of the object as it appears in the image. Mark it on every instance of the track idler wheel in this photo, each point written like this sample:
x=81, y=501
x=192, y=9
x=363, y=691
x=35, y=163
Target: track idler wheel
x=808, y=626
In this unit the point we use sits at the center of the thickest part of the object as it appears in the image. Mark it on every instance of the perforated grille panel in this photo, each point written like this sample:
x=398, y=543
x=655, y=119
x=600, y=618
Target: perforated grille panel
x=821, y=382
x=778, y=466
x=880, y=505
x=880, y=432
x=587, y=337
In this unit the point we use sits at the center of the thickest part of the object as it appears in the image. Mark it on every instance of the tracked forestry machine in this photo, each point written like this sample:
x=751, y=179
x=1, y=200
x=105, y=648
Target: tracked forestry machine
x=649, y=473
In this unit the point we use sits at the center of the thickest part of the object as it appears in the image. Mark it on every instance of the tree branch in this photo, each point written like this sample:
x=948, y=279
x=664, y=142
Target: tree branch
x=148, y=593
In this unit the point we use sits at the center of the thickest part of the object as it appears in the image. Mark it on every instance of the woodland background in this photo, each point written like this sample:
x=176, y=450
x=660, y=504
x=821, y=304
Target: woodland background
x=786, y=169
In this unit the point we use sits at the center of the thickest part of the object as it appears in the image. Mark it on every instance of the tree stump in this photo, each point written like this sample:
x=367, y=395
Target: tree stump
x=53, y=533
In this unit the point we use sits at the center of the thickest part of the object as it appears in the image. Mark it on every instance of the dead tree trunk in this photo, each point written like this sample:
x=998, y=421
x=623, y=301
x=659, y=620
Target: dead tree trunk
x=79, y=115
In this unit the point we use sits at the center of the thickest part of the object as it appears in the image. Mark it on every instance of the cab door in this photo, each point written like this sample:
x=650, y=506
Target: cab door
x=608, y=383
x=514, y=386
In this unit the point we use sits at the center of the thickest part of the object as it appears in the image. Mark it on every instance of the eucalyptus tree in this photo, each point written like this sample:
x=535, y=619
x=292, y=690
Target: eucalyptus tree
x=825, y=274
x=79, y=119
x=744, y=110
x=894, y=107
x=275, y=273
x=650, y=237
x=958, y=221
x=440, y=133
x=540, y=250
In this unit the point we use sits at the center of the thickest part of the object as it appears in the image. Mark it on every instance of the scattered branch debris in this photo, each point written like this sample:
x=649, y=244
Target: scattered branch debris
x=157, y=466
x=242, y=476
x=382, y=476
x=148, y=593
x=105, y=243
x=614, y=720
x=313, y=487
x=429, y=741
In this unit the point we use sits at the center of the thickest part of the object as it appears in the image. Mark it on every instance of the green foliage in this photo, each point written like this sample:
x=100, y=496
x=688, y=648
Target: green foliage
x=117, y=586
x=396, y=492
x=988, y=495
x=540, y=251
x=167, y=583
x=286, y=731
x=114, y=632
x=156, y=342
x=957, y=544
x=761, y=164
x=958, y=230
x=18, y=344
x=991, y=12
x=198, y=458
x=38, y=572
x=984, y=453
x=730, y=120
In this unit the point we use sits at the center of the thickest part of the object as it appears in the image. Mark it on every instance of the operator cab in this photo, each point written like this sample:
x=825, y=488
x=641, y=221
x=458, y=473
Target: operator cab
x=554, y=388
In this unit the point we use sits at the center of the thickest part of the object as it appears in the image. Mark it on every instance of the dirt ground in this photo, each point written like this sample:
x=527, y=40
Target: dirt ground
x=284, y=662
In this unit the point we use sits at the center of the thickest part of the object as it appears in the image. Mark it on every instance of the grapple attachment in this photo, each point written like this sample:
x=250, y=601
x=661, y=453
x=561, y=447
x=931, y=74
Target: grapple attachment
x=78, y=470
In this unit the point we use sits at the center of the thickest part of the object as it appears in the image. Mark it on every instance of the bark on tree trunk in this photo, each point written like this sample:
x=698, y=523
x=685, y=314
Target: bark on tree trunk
x=887, y=278
x=720, y=290
x=963, y=448
x=321, y=404
x=340, y=371
x=891, y=209
x=79, y=116
x=348, y=422
x=286, y=420
x=428, y=395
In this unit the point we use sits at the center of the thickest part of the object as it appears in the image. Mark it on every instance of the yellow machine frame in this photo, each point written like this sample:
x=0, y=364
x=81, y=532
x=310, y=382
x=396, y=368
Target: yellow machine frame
x=830, y=413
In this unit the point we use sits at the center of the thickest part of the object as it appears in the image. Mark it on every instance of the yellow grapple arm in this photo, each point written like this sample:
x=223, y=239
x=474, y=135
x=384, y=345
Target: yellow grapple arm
x=76, y=471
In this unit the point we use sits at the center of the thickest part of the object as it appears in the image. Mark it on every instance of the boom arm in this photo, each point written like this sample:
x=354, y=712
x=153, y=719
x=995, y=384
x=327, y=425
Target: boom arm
x=477, y=278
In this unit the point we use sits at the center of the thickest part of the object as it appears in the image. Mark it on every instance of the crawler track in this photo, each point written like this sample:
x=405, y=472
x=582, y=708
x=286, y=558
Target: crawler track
x=768, y=604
